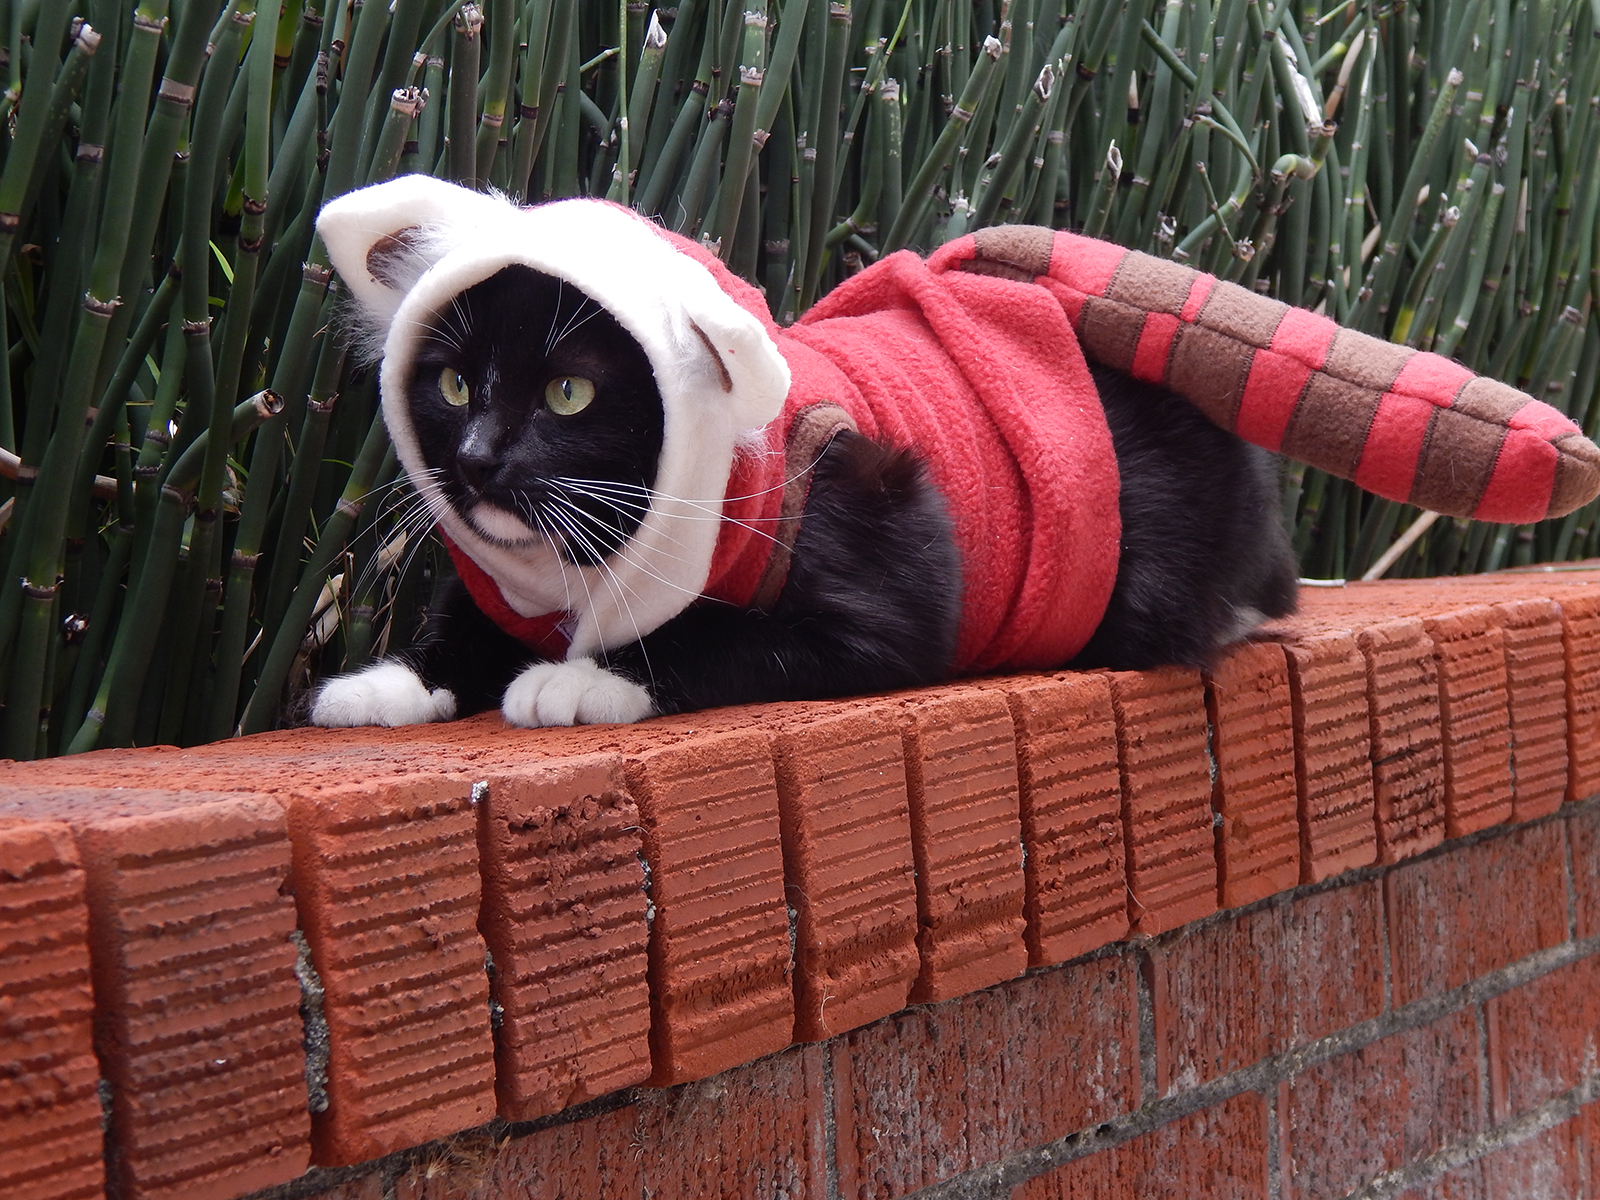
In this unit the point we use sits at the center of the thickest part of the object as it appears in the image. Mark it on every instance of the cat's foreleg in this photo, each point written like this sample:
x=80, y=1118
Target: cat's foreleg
x=461, y=664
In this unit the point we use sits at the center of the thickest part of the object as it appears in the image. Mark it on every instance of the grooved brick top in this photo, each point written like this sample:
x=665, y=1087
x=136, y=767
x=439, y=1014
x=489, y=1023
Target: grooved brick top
x=1166, y=796
x=1333, y=754
x=719, y=951
x=1071, y=792
x=1536, y=699
x=1474, y=708
x=1252, y=739
x=566, y=922
x=386, y=878
x=848, y=866
x=966, y=837
x=1407, y=753
x=50, y=1139
x=197, y=1007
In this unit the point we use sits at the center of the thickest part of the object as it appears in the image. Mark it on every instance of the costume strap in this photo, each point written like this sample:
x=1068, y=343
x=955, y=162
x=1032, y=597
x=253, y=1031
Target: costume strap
x=810, y=432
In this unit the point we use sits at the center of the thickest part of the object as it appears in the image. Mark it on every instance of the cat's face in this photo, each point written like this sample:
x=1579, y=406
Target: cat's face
x=537, y=415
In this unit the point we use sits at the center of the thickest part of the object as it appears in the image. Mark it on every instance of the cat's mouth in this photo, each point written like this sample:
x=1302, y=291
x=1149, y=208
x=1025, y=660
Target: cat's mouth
x=502, y=528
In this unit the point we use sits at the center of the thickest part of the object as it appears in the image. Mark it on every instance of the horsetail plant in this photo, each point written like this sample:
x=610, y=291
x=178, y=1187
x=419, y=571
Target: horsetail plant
x=198, y=499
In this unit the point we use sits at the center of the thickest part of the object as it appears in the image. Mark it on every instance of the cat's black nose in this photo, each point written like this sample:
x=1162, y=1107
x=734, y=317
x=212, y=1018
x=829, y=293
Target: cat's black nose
x=478, y=453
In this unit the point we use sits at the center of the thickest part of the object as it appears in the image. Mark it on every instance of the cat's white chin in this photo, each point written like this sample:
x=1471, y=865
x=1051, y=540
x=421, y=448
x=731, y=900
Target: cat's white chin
x=501, y=527
x=386, y=693
x=577, y=692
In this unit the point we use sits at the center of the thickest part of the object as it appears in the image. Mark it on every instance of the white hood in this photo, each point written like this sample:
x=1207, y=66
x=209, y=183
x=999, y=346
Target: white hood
x=406, y=248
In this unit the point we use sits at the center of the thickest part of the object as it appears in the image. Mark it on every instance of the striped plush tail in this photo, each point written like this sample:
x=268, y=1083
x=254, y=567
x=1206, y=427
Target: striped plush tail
x=1403, y=423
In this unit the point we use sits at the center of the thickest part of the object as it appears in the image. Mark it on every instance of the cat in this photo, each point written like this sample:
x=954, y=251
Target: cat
x=539, y=426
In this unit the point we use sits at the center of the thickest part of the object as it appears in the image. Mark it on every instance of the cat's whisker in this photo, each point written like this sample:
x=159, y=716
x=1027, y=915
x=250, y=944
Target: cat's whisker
x=628, y=509
x=712, y=514
x=611, y=578
x=622, y=555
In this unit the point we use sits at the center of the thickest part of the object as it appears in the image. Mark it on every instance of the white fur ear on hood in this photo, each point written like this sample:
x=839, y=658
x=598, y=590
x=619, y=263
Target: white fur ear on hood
x=749, y=367
x=381, y=239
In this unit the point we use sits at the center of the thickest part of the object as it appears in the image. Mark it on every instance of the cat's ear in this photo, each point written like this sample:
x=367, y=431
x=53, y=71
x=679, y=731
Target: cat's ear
x=382, y=238
x=743, y=359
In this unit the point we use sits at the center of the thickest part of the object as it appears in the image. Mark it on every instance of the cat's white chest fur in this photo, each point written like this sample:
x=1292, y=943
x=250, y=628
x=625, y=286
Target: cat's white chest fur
x=578, y=692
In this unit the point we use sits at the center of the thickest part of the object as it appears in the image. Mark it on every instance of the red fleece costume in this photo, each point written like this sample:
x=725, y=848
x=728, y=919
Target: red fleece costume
x=972, y=358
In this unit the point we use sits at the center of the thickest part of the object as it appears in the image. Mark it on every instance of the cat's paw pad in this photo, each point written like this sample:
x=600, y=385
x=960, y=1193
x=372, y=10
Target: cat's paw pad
x=577, y=692
x=386, y=693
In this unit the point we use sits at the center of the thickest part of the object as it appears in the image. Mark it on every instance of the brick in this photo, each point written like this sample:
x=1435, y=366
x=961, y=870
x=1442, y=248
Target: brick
x=966, y=841
x=1580, y=623
x=1166, y=793
x=363, y=1187
x=1460, y=915
x=1475, y=716
x=1383, y=1106
x=847, y=860
x=1333, y=755
x=758, y=1130
x=564, y=917
x=50, y=1139
x=1219, y=1152
x=720, y=985
x=575, y=1160
x=1548, y=1165
x=1075, y=874
x=1230, y=993
x=198, y=1029
x=1461, y=1183
x=1583, y=833
x=934, y=1091
x=1252, y=740
x=1536, y=693
x=1544, y=1037
x=1407, y=754
x=386, y=879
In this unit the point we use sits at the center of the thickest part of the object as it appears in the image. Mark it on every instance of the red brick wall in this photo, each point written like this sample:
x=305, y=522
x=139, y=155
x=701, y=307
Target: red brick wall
x=1323, y=921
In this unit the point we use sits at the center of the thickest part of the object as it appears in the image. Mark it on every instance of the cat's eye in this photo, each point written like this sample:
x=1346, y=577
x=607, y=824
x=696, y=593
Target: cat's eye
x=568, y=395
x=453, y=387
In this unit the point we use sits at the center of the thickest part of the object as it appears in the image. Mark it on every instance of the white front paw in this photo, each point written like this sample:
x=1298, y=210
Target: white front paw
x=386, y=693
x=577, y=692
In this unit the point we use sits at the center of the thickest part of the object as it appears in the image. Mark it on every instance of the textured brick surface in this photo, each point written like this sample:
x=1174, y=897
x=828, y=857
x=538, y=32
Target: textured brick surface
x=1075, y=873
x=1460, y=915
x=197, y=1007
x=595, y=1157
x=50, y=1139
x=966, y=838
x=1166, y=792
x=1469, y=648
x=719, y=949
x=847, y=861
x=1219, y=1153
x=1231, y=993
x=386, y=878
x=1333, y=754
x=1536, y=693
x=564, y=916
x=1252, y=740
x=938, y=1090
x=1583, y=832
x=1544, y=1037
x=1580, y=620
x=756, y=1131
x=1407, y=756
x=1548, y=1166
x=1383, y=1106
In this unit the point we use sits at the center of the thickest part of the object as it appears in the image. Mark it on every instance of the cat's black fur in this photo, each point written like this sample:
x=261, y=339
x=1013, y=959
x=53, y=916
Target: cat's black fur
x=873, y=593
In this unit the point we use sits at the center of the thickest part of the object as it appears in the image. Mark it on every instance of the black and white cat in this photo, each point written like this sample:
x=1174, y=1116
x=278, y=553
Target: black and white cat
x=571, y=399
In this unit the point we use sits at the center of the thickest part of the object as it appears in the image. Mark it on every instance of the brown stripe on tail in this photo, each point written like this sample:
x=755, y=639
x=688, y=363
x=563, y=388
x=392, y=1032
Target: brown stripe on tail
x=1411, y=426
